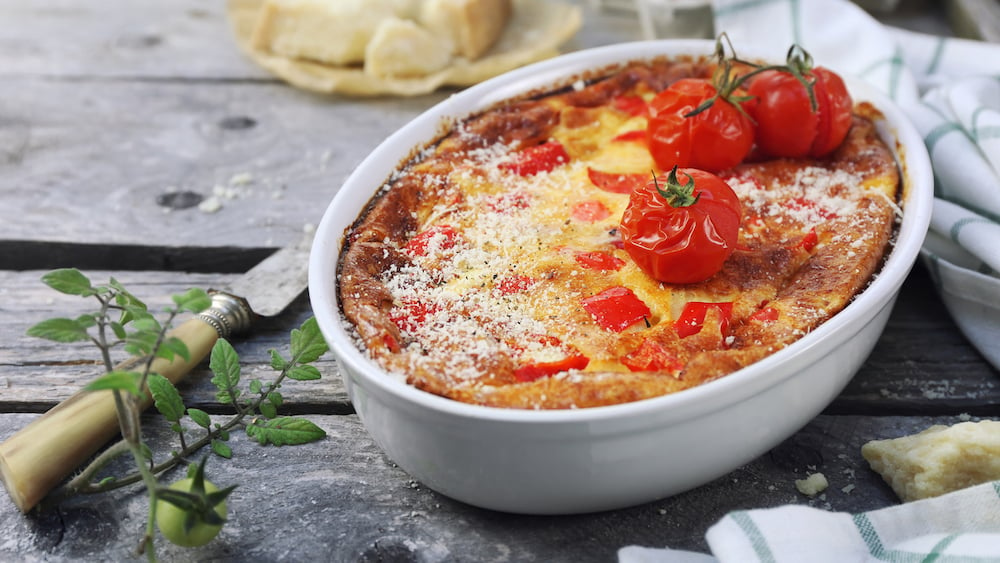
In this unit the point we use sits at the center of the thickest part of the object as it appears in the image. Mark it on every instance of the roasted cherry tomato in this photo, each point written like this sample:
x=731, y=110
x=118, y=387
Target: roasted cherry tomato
x=537, y=159
x=681, y=233
x=792, y=123
x=713, y=139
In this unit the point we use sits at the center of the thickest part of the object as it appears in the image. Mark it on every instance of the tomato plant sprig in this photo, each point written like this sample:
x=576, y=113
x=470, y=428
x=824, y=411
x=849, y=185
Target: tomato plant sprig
x=122, y=320
x=797, y=109
x=727, y=83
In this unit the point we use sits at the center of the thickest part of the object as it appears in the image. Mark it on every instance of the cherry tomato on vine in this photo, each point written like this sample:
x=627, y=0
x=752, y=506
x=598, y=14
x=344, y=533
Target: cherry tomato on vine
x=171, y=519
x=790, y=123
x=681, y=232
x=191, y=511
x=716, y=138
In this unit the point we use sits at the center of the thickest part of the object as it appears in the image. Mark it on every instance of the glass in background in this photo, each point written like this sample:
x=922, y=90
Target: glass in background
x=663, y=19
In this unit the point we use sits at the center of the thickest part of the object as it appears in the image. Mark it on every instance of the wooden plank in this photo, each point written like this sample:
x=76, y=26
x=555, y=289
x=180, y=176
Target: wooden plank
x=171, y=39
x=341, y=499
x=108, y=167
x=38, y=373
x=119, y=38
x=921, y=364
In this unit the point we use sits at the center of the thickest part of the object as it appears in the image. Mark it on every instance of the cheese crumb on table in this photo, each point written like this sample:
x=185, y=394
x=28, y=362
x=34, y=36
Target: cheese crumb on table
x=812, y=485
x=938, y=460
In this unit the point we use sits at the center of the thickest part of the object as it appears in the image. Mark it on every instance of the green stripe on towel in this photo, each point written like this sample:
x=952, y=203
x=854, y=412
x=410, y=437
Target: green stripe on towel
x=936, y=58
x=956, y=229
x=757, y=539
x=868, y=533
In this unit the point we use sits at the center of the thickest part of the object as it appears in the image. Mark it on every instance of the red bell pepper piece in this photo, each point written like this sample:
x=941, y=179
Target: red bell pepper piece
x=590, y=211
x=533, y=371
x=619, y=183
x=411, y=315
x=536, y=159
x=514, y=284
x=805, y=203
x=635, y=136
x=631, y=104
x=616, y=308
x=765, y=315
x=651, y=356
x=598, y=260
x=809, y=241
x=442, y=237
x=692, y=318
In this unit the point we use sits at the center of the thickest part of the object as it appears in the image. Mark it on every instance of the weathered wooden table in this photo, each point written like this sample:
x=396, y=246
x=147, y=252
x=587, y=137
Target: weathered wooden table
x=114, y=116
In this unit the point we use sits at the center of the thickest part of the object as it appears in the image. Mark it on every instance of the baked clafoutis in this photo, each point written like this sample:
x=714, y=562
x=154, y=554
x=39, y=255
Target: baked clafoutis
x=498, y=265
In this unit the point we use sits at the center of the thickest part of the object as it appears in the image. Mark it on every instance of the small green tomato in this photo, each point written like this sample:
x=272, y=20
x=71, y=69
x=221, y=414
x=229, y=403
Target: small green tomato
x=171, y=519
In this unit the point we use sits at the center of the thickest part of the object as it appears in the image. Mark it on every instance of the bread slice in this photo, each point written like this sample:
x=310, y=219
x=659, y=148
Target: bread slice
x=472, y=26
x=333, y=32
x=402, y=49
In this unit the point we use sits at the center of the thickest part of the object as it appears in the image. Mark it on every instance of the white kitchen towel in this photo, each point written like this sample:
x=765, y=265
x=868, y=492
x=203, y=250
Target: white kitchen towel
x=959, y=527
x=950, y=88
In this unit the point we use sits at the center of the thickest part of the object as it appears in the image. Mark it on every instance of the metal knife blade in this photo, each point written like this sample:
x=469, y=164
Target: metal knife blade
x=41, y=455
x=276, y=281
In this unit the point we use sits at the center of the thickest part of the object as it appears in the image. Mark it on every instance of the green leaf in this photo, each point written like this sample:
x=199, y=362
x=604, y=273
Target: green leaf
x=131, y=311
x=165, y=397
x=87, y=321
x=222, y=449
x=177, y=346
x=141, y=343
x=120, y=380
x=59, y=330
x=200, y=418
x=225, y=365
x=275, y=398
x=147, y=323
x=256, y=386
x=194, y=300
x=268, y=410
x=131, y=305
x=303, y=373
x=277, y=362
x=307, y=342
x=119, y=330
x=226, y=398
x=69, y=281
x=284, y=431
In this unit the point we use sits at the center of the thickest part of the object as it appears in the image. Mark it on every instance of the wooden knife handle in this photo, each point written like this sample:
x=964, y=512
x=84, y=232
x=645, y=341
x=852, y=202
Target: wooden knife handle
x=43, y=453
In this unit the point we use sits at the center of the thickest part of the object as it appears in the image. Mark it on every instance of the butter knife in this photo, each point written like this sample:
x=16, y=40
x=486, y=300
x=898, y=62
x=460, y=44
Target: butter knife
x=43, y=453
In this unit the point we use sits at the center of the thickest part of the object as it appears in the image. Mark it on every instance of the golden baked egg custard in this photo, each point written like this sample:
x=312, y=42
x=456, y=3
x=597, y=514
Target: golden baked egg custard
x=492, y=267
